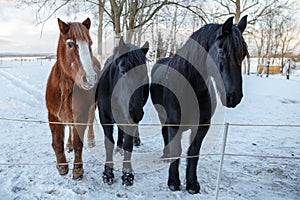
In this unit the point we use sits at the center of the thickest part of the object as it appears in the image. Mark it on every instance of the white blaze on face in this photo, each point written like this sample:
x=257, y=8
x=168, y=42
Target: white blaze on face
x=86, y=61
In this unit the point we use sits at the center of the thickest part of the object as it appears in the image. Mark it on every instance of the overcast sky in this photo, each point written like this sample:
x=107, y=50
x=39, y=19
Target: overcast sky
x=19, y=34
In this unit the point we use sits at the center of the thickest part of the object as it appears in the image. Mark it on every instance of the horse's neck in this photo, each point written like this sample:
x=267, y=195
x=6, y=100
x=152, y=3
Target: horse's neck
x=191, y=56
x=65, y=83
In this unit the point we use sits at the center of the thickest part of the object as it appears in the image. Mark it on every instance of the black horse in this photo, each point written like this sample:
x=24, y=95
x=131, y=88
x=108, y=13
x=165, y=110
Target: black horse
x=123, y=90
x=183, y=86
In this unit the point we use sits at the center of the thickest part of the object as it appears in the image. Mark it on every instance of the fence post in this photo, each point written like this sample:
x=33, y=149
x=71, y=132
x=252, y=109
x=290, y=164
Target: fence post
x=222, y=159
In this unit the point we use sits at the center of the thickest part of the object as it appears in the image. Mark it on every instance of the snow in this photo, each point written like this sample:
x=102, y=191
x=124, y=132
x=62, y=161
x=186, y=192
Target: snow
x=27, y=161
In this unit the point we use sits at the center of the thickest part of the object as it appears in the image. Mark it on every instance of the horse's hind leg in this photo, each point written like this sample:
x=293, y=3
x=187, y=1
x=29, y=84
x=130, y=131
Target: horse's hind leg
x=166, y=151
x=91, y=136
x=136, y=139
x=119, y=148
x=175, y=152
x=69, y=146
x=192, y=184
x=58, y=145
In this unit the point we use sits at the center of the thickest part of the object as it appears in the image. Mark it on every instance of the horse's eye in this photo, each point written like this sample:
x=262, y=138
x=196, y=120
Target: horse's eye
x=70, y=45
x=221, y=54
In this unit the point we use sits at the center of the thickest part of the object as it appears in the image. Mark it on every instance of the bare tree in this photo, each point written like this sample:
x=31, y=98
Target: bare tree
x=100, y=25
x=259, y=40
x=289, y=35
x=257, y=8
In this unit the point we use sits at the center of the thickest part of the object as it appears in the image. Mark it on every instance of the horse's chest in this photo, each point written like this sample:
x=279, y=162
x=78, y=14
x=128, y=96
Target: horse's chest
x=64, y=111
x=74, y=103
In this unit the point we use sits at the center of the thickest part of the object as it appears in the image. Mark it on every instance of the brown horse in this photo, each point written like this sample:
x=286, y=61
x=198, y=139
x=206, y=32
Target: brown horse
x=70, y=92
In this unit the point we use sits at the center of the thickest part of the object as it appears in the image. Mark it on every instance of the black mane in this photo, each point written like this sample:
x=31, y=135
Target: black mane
x=201, y=41
x=133, y=54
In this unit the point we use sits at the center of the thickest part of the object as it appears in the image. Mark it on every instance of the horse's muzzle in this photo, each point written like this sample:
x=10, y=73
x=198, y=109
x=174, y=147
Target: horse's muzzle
x=89, y=82
x=233, y=100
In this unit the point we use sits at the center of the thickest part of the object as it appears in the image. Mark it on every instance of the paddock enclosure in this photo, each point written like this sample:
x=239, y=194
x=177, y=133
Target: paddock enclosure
x=261, y=161
x=273, y=69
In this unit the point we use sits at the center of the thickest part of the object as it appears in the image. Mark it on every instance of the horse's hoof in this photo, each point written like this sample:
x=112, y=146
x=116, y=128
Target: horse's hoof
x=174, y=185
x=136, y=141
x=127, y=178
x=108, y=175
x=78, y=174
x=193, y=188
x=91, y=143
x=119, y=150
x=62, y=169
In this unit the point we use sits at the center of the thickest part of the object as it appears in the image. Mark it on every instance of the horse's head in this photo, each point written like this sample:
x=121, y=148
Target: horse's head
x=74, y=53
x=130, y=63
x=128, y=56
x=228, y=51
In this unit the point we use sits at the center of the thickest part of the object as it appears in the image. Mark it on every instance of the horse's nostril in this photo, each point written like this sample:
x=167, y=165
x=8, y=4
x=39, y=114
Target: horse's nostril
x=230, y=100
x=84, y=79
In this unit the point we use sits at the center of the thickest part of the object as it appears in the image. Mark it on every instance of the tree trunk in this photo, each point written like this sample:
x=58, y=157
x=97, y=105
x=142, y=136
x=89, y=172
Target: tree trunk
x=133, y=6
x=116, y=18
x=172, y=34
x=237, y=11
x=100, y=26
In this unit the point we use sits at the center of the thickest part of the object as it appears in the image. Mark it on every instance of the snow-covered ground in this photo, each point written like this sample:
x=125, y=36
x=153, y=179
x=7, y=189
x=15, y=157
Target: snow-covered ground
x=27, y=161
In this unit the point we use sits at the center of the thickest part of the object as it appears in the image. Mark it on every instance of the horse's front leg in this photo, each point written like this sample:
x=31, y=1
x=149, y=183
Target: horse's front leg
x=128, y=175
x=57, y=131
x=174, y=144
x=78, y=137
x=192, y=184
x=108, y=175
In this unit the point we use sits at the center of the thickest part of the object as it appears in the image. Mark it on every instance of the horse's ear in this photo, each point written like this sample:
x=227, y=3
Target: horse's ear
x=121, y=42
x=87, y=23
x=227, y=26
x=122, y=46
x=63, y=27
x=242, y=23
x=145, y=47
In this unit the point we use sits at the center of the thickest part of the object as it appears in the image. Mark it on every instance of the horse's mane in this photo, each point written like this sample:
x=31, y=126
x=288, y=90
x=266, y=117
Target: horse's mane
x=234, y=44
x=77, y=31
x=133, y=53
x=194, y=52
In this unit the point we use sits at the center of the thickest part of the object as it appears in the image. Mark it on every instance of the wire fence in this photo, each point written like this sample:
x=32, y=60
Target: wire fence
x=15, y=120
x=222, y=155
x=146, y=124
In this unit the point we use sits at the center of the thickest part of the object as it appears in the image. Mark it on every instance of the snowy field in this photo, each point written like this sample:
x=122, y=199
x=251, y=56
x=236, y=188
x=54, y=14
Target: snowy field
x=265, y=164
